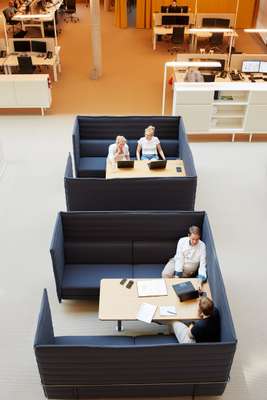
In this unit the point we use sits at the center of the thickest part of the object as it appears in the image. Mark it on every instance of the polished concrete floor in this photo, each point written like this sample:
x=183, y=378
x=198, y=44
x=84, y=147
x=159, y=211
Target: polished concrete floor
x=232, y=189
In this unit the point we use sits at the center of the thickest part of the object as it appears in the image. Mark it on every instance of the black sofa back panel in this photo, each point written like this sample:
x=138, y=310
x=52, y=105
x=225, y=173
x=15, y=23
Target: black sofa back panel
x=217, y=286
x=101, y=252
x=120, y=225
x=131, y=127
x=134, y=364
x=158, y=252
x=99, y=147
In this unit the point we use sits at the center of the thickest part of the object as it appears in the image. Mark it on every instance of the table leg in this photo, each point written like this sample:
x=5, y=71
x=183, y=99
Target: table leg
x=42, y=29
x=119, y=326
x=154, y=41
x=55, y=72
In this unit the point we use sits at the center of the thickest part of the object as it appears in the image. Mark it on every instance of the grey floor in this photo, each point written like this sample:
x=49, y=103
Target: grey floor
x=232, y=189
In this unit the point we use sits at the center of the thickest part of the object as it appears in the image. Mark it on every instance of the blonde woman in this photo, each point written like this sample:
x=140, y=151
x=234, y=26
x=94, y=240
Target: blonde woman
x=149, y=145
x=119, y=151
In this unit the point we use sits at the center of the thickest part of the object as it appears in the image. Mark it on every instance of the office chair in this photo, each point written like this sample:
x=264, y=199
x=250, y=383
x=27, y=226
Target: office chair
x=216, y=38
x=10, y=23
x=71, y=10
x=25, y=65
x=177, y=38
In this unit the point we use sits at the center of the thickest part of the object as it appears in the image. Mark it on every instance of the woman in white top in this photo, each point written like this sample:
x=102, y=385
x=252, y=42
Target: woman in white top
x=149, y=145
x=119, y=151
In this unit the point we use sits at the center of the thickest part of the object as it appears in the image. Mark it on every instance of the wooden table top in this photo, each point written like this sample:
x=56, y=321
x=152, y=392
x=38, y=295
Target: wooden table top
x=116, y=302
x=141, y=170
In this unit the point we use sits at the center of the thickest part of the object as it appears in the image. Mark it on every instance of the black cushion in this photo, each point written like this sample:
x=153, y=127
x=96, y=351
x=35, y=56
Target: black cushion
x=147, y=270
x=95, y=340
x=98, y=252
x=82, y=280
x=92, y=166
x=95, y=147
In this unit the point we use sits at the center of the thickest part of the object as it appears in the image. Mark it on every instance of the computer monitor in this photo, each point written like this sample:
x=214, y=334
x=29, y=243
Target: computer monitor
x=183, y=9
x=222, y=23
x=250, y=66
x=209, y=22
x=263, y=67
x=164, y=9
x=22, y=46
x=175, y=20
x=38, y=46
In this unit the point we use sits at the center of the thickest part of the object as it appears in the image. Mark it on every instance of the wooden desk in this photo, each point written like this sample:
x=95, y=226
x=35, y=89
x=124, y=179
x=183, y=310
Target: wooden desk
x=141, y=170
x=117, y=303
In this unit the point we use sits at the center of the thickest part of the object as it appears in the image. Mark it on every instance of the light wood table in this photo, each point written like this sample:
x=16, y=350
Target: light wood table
x=141, y=170
x=117, y=303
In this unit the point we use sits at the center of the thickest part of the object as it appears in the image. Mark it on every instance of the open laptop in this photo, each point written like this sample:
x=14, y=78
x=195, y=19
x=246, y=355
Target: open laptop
x=157, y=164
x=125, y=164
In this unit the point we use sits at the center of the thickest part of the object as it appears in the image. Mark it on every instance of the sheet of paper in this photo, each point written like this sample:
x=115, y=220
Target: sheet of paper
x=167, y=310
x=146, y=312
x=152, y=287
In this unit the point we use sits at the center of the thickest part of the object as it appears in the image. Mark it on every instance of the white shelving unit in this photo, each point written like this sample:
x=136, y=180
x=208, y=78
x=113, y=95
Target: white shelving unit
x=25, y=91
x=222, y=107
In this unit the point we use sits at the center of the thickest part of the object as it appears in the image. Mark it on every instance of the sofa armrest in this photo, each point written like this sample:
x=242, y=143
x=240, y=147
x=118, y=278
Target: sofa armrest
x=69, y=169
x=76, y=146
x=44, y=330
x=185, y=152
x=57, y=255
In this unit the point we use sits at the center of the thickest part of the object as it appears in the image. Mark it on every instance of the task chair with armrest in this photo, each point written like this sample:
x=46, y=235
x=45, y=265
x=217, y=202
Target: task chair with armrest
x=25, y=65
x=70, y=9
x=177, y=38
x=10, y=23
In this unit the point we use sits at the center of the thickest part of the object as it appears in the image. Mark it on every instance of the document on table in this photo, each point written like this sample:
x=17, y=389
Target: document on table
x=152, y=287
x=146, y=312
x=167, y=310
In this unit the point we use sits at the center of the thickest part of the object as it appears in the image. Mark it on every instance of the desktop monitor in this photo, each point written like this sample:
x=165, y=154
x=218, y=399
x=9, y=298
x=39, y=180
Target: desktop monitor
x=209, y=22
x=22, y=46
x=263, y=67
x=38, y=46
x=222, y=23
x=250, y=66
x=183, y=9
x=164, y=9
x=175, y=20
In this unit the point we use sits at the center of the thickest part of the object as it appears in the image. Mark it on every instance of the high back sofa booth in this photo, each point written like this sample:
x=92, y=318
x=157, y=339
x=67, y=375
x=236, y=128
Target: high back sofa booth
x=89, y=190
x=93, y=245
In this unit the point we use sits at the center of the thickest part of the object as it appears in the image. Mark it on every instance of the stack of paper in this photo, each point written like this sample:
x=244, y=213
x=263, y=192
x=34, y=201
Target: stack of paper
x=152, y=287
x=146, y=312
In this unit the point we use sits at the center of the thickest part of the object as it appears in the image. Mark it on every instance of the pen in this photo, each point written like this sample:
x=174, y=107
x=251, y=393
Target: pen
x=171, y=312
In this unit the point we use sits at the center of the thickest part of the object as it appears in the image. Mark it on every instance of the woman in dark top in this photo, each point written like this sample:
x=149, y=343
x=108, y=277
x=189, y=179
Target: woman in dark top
x=206, y=329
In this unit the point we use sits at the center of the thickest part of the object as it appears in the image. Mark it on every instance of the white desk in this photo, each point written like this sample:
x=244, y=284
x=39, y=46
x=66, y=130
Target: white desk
x=37, y=17
x=163, y=30
x=54, y=62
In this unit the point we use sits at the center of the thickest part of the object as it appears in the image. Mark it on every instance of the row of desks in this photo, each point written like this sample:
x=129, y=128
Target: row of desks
x=12, y=61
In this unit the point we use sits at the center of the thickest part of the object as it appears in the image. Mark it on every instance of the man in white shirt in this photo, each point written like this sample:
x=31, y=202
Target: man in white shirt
x=193, y=75
x=149, y=145
x=119, y=151
x=190, y=258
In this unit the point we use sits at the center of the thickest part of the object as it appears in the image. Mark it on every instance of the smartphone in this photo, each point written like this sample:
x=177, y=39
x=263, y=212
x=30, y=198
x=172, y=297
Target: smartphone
x=129, y=284
x=122, y=282
x=203, y=294
x=179, y=169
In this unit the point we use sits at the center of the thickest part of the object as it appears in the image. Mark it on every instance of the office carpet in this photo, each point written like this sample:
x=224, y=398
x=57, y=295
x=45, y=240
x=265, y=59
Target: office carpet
x=132, y=78
x=232, y=189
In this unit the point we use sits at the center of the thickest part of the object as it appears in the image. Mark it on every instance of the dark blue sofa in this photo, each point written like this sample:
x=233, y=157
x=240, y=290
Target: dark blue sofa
x=93, y=135
x=82, y=367
x=89, y=246
x=96, y=194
